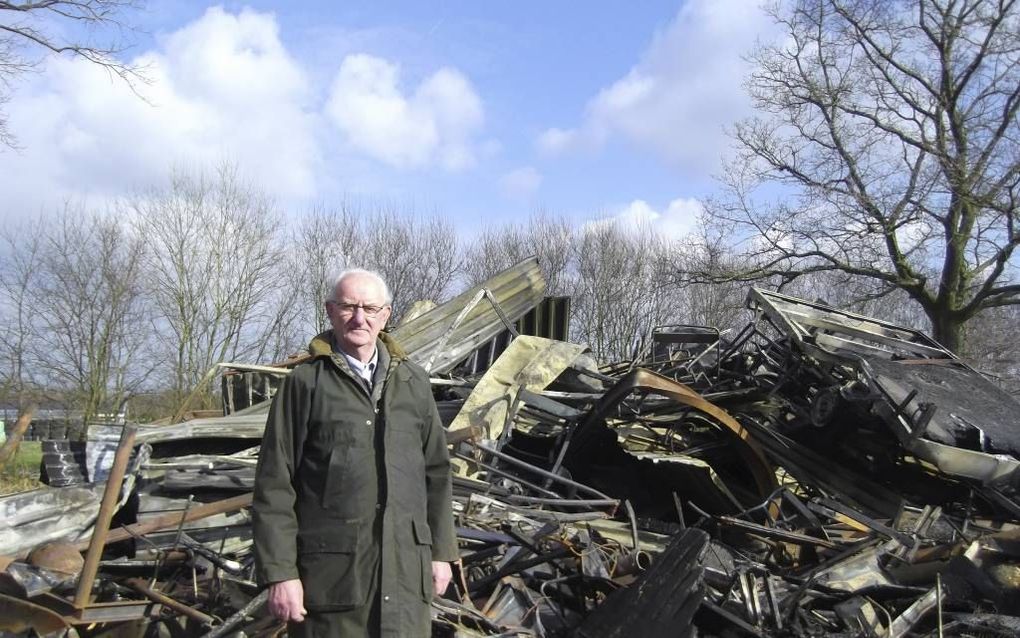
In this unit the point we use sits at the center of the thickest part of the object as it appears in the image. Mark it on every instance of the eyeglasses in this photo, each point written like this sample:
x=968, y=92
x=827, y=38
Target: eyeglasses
x=347, y=309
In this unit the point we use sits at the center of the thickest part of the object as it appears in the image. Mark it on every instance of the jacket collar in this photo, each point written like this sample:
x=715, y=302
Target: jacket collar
x=322, y=346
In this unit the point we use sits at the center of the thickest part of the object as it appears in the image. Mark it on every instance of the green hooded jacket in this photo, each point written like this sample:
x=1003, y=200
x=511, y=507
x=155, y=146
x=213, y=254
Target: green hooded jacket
x=353, y=488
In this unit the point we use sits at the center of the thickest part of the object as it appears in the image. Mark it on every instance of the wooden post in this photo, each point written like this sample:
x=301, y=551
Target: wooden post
x=102, y=526
x=20, y=426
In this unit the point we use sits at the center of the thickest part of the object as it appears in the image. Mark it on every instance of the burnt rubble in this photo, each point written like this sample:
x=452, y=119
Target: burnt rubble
x=818, y=473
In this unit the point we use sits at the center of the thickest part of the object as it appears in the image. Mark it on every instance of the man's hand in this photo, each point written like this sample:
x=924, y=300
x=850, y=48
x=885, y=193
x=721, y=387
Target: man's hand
x=441, y=575
x=287, y=599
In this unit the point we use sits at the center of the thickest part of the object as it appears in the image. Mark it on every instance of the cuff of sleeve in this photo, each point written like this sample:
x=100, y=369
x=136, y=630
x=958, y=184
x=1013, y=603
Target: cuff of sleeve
x=446, y=554
x=278, y=574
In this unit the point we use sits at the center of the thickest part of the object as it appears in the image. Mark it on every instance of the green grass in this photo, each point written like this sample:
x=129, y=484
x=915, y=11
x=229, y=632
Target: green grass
x=22, y=471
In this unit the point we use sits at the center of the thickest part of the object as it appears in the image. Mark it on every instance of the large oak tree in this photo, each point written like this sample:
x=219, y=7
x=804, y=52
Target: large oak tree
x=886, y=147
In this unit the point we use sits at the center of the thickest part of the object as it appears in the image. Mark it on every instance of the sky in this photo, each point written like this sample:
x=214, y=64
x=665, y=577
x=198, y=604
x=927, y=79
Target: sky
x=482, y=112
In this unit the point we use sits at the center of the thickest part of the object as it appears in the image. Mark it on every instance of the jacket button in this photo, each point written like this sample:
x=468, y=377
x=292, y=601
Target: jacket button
x=386, y=599
x=368, y=422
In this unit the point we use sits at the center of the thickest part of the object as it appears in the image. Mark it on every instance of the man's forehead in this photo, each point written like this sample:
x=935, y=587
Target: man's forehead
x=359, y=288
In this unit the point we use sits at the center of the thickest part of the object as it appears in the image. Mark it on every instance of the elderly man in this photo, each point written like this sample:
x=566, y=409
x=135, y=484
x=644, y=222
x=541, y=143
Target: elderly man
x=353, y=522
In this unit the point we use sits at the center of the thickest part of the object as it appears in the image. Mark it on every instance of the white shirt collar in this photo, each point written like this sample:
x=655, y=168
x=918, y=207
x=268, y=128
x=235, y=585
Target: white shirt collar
x=364, y=370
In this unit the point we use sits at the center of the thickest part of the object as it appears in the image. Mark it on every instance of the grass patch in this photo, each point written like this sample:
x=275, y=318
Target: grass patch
x=21, y=473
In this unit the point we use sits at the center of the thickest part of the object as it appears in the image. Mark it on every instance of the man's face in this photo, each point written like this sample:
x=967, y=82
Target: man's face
x=354, y=329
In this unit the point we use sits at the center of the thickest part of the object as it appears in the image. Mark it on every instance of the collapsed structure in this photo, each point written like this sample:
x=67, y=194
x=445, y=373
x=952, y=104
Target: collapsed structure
x=818, y=473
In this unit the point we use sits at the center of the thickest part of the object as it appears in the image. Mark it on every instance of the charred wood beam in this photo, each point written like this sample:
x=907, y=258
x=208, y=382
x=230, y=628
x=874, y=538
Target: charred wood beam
x=664, y=599
x=253, y=605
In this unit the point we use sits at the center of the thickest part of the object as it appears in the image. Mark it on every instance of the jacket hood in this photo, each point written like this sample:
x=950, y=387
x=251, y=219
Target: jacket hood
x=322, y=345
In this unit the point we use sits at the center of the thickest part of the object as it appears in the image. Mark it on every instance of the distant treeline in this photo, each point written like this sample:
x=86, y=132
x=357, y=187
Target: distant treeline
x=137, y=303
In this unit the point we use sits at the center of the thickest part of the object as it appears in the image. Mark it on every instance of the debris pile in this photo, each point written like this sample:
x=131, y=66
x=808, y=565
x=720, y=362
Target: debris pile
x=818, y=473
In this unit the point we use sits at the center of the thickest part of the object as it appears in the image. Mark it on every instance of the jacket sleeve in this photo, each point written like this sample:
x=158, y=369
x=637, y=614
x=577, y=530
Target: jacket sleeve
x=438, y=486
x=274, y=522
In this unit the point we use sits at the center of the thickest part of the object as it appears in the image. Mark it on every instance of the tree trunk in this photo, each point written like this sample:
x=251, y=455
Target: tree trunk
x=947, y=330
x=11, y=446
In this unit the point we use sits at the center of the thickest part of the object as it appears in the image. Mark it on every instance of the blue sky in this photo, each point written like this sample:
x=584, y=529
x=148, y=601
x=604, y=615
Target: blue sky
x=481, y=111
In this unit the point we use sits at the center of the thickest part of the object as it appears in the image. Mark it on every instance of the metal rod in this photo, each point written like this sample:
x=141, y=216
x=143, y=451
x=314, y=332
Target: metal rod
x=456, y=323
x=106, y=507
x=169, y=520
x=253, y=605
x=499, y=312
x=143, y=588
x=565, y=502
x=496, y=470
x=633, y=524
x=515, y=566
x=938, y=596
x=540, y=471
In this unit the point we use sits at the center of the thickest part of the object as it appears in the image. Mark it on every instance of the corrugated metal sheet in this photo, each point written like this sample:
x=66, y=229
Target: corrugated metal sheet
x=549, y=319
x=517, y=290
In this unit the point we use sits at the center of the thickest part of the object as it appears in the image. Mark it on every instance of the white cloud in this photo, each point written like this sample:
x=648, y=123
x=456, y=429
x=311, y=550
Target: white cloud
x=521, y=183
x=221, y=88
x=678, y=98
x=435, y=124
x=554, y=140
x=677, y=220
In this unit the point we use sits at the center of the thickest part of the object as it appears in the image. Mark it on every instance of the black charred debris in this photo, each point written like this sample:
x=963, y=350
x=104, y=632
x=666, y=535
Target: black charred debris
x=818, y=473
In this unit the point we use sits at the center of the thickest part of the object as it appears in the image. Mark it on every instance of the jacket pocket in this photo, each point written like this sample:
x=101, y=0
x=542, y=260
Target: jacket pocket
x=331, y=570
x=423, y=543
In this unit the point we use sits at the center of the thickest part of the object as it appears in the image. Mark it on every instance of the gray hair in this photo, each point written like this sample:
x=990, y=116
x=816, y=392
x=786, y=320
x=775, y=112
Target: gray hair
x=387, y=297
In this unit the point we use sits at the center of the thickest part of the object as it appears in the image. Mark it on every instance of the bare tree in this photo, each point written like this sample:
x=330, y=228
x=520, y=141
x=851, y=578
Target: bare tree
x=76, y=317
x=993, y=346
x=20, y=270
x=90, y=312
x=418, y=256
x=889, y=131
x=215, y=271
x=325, y=240
x=620, y=288
x=702, y=261
x=32, y=29
x=495, y=249
x=546, y=237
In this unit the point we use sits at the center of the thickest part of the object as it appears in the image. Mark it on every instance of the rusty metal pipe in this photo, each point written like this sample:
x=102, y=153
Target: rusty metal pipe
x=169, y=520
x=102, y=526
x=143, y=588
x=633, y=562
